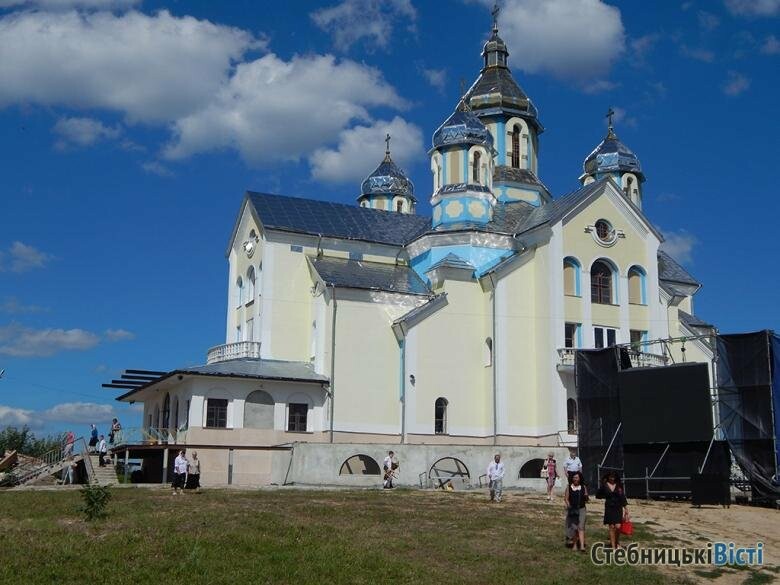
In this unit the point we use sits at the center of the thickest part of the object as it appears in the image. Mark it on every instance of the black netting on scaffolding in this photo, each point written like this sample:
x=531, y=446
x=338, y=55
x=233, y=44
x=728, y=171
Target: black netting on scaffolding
x=598, y=405
x=748, y=385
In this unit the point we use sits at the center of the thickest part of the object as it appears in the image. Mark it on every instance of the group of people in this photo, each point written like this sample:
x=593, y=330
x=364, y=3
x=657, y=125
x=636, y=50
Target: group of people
x=97, y=442
x=186, y=473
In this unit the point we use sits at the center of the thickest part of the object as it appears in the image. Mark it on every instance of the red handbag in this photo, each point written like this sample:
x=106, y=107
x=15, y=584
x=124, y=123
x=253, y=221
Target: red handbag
x=627, y=527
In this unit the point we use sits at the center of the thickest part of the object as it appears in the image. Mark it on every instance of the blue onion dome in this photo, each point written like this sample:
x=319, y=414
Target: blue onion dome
x=612, y=155
x=461, y=128
x=387, y=179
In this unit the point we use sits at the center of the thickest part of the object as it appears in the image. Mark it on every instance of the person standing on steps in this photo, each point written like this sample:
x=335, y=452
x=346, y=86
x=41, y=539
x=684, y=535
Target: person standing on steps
x=93, y=439
x=102, y=451
x=495, y=473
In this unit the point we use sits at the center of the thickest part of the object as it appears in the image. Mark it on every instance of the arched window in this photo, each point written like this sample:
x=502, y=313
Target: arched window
x=176, y=413
x=166, y=411
x=571, y=277
x=516, y=147
x=629, y=186
x=259, y=411
x=440, y=416
x=475, y=172
x=601, y=283
x=240, y=289
x=636, y=286
x=531, y=469
x=488, y=351
x=571, y=416
x=250, y=279
x=360, y=465
x=399, y=206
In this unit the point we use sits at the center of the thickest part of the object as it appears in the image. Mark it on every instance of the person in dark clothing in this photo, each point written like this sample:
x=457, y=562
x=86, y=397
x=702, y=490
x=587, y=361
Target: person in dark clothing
x=615, y=506
x=576, y=496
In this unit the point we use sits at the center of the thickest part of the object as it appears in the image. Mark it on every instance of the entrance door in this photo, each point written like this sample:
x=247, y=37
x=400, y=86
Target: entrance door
x=604, y=337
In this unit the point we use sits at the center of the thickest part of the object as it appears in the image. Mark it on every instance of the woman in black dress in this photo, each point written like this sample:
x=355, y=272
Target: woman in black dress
x=615, y=506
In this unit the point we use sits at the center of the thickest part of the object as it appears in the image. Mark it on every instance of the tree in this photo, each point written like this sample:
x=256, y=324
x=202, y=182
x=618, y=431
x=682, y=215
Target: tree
x=24, y=441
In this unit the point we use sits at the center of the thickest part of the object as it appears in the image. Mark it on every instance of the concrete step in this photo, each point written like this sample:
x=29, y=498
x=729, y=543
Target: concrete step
x=103, y=475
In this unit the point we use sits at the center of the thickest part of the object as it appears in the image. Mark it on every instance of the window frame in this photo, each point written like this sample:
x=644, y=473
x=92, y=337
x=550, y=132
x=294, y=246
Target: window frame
x=293, y=426
x=515, y=157
x=600, y=284
x=215, y=412
x=440, y=422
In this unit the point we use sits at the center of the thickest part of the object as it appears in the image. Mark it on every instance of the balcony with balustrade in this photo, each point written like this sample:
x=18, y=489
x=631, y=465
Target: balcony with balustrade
x=233, y=351
x=639, y=359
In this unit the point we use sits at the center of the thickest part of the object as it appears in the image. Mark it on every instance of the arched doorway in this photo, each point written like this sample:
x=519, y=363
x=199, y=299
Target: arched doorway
x=448, y=472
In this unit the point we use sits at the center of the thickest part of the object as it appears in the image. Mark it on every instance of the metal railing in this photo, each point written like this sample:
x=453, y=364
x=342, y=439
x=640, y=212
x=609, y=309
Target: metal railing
x=639, y=359
x=50, y=462
x=148, y=436
x=232, y=351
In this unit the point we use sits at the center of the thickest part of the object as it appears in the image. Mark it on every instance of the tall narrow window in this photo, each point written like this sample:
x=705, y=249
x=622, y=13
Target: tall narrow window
x=166, y=411
x=488, y=351
x=440, y=416
x=571, y=416
x=571, y=277
x=176, y=413
x=636, y=281
x=250, y=280
x=516, y=147
x=601, y=283
x=240, y=290
x=297, y=417
x=399, y=206
x=570, y=335
x=216, y=413
x=475, y=172
x=629, y=186
x=250, y=330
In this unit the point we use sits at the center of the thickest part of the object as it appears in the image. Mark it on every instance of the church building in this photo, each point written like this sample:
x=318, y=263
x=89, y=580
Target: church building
x=354, y=329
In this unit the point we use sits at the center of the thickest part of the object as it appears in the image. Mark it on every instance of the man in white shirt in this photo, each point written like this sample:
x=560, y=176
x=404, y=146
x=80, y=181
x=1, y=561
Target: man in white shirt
x=389, y=465
x=572, y=464
x=495, y=473
x=102, y=451
x=179, y=473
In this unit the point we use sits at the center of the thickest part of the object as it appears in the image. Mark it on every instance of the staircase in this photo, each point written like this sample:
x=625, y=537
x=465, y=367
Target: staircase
x=102, y=475
x=31, y=469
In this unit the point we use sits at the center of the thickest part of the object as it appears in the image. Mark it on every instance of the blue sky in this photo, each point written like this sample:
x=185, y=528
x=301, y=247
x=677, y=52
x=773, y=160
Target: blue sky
x=132, y=128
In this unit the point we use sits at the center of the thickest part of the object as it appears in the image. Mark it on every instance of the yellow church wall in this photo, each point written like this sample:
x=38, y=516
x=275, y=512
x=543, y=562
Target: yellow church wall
x=367, y=377
x=639, y=317
x=573, y=308
x=447, y=343
x=608, y=315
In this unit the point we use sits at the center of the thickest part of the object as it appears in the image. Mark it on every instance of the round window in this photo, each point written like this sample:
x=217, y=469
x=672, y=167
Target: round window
x=604, y=231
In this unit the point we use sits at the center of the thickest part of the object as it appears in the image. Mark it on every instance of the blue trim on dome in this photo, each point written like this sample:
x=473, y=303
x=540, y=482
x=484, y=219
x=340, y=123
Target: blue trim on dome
x=387, y=179
x=462, y=127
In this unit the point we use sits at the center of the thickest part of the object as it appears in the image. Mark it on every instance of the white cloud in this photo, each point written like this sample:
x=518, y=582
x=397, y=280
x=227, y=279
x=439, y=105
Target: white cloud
x=571, y=39
x=753, y=7
x=698, y=53
x=119, y=335
x=771, y=46
x=599, y=86
x=437, y=78
x=67, y=4
x=151, y=68
x=79, y=413
x=622, y=117
x=19, y=341
x=735, y=84
x=679, y=245
x=23, y=258
x=280, y=110
x=15, y=417
x=13, y=306
x=155, y=167
x=641, y=46
x=362, y=148
x=707, y=20
x=83, y=132
x=374, y=20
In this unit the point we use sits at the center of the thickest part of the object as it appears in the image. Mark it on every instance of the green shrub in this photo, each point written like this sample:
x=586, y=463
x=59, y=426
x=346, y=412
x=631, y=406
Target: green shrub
x=96, y=498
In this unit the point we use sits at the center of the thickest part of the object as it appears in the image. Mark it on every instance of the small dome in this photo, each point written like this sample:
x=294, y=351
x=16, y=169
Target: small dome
x=388, y=178
x=612, y=155
x=462, y=127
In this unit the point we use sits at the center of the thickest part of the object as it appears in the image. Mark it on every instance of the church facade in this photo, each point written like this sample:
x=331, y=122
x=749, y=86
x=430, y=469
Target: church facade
x=351, y=328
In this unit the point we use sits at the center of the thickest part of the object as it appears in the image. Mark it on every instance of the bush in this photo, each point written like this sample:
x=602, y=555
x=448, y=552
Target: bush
x=96, y=498
x=24, y=441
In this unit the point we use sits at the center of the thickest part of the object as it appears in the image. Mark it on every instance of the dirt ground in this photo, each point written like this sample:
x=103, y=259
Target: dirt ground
x=682, y=525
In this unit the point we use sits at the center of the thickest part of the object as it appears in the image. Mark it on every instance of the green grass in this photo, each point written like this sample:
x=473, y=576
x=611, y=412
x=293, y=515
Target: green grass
x=757, y=578
x=297, y=536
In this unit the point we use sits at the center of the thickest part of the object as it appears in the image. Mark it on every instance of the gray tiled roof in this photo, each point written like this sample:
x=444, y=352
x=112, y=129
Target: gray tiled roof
x=345, y=273
x=496, y=88
x=693, y=321
x=258, y=368
x=670, y=270
x=310, y=216
x=503, y=174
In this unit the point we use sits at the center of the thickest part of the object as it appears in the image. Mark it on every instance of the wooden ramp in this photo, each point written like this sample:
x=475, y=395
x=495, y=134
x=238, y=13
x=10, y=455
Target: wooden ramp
x=9, y=460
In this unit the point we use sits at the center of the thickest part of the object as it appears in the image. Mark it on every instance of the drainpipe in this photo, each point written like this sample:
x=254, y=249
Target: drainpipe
x=493, y=284
x=332, y=361
x=402, y=346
